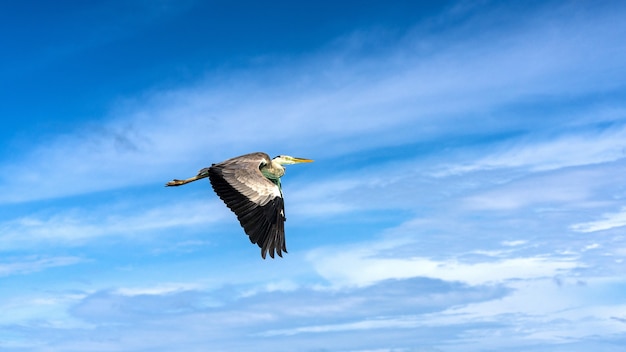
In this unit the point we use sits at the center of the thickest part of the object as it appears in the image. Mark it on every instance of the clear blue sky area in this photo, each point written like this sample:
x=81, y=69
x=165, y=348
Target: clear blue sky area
x=468, y=190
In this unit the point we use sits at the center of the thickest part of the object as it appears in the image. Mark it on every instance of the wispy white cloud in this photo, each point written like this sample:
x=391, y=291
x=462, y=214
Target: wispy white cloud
x=40, y=310
x=363, y=265
x=161, y=289
x=564, y=189
x=566, y=150
x=32, y=264
x=608, y=221
x=513, y=243
x=576, y=311
x=77, y=226
x=369, y=324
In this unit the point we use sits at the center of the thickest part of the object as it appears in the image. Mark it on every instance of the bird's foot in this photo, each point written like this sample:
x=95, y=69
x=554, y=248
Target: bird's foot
x=175, y=182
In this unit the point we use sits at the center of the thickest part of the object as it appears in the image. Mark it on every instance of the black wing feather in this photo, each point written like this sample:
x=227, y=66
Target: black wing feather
x=264, y=224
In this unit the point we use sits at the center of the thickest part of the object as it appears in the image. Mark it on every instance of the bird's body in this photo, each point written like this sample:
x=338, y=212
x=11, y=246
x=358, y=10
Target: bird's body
x=250, y=187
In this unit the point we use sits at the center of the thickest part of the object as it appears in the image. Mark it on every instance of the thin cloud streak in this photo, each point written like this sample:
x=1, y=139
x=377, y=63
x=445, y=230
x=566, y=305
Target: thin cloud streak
x=568, y=150
x=73, y=227
x=16, y=266
x=608, y=221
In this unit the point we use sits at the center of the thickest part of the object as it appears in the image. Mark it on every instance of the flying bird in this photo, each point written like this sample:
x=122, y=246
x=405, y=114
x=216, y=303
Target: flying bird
x=250, y=187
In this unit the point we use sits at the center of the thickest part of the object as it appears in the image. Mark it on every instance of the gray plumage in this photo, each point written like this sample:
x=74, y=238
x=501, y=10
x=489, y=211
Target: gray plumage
x=250, y=187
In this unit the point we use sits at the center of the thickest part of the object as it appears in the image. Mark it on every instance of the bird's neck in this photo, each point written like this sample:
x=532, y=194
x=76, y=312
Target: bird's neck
x=274, y=170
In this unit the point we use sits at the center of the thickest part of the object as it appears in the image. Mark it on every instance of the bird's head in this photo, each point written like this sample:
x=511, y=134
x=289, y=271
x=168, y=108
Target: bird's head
x=289, y=160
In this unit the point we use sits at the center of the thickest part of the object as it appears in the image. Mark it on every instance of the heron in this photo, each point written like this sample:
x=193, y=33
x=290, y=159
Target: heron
x=250, y=186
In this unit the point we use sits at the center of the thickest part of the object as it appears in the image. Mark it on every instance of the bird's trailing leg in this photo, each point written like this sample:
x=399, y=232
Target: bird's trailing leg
x=201, y=174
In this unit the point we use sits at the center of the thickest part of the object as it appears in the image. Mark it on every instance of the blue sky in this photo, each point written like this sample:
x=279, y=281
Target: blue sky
x=468, y=190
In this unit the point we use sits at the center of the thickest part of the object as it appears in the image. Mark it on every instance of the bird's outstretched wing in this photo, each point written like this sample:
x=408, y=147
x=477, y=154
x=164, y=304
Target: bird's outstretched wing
x=255, y=200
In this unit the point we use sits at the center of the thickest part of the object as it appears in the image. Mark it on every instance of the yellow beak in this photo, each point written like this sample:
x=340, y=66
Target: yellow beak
x=302, y=160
